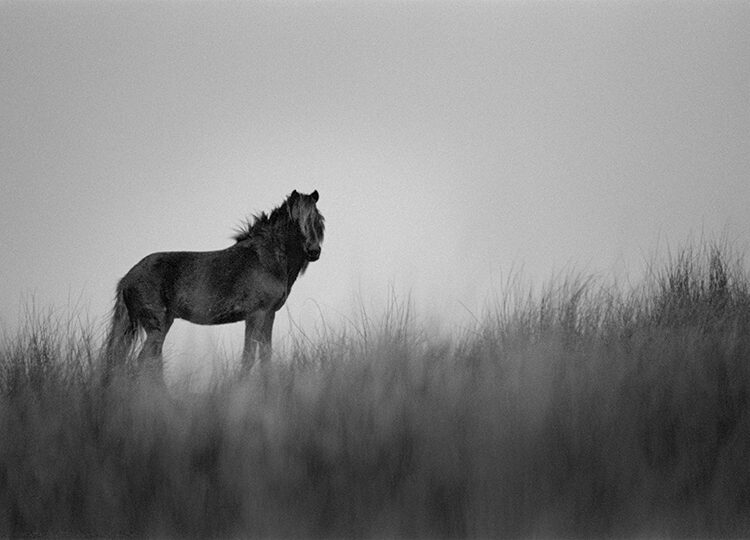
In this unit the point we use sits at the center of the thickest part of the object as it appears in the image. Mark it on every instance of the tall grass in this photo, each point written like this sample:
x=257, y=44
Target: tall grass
x=584, y=410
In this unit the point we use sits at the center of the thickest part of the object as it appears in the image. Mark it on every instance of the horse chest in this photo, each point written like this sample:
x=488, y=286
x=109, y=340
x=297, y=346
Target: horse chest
x=264, y=292
x=273, y=299
x=280, y=301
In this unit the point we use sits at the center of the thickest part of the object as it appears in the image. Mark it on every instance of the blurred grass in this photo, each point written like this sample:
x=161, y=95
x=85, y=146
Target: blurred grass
x=582, y=411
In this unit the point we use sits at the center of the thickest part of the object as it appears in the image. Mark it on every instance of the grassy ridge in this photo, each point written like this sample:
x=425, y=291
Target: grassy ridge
x=581, y=411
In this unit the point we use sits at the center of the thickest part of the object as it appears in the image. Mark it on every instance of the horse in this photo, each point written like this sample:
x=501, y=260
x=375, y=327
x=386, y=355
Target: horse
x=248, y=281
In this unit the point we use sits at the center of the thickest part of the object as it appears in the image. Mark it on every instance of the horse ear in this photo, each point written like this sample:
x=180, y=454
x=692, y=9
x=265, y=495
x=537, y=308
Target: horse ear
x=315, y=195
x=293, y=196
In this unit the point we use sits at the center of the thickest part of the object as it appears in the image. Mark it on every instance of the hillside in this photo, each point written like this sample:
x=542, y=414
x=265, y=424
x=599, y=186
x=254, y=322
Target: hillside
x=584, y=411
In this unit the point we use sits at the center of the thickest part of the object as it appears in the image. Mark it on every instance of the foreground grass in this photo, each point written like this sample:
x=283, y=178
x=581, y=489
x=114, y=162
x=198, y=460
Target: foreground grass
x=582, y=411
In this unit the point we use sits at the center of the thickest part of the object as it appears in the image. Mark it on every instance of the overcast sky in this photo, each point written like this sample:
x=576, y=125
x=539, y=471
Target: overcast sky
x=450, y=142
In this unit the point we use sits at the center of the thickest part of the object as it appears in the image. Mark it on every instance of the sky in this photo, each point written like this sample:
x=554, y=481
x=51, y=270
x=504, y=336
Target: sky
x=452, y=143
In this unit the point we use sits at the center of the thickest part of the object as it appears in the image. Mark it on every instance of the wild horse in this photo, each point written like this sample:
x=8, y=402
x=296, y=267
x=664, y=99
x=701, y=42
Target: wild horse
x=248, y=281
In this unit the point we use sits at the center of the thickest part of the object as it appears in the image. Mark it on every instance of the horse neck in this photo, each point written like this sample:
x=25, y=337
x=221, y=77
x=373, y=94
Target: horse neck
x=296, y=262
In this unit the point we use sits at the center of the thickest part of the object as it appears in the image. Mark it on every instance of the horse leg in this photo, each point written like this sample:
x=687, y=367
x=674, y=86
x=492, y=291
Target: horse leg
x=264, y=346
x=252, y=330
x=150, y=358
x=257, y=338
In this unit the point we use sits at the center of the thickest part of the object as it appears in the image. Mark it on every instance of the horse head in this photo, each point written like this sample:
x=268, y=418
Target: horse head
x=304, y=212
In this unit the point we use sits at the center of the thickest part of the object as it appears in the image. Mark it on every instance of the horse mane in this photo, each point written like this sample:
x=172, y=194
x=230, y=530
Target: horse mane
x=263, y=224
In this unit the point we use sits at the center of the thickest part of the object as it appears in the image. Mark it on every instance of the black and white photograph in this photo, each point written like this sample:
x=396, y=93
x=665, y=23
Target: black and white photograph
x=375, y=269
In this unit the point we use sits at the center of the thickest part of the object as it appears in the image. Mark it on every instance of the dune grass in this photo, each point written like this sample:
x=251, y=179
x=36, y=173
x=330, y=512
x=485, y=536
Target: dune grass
x=582, y=411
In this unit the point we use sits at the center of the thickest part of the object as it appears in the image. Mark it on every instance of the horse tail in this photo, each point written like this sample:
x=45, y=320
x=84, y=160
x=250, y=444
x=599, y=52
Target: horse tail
x=122, y=333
